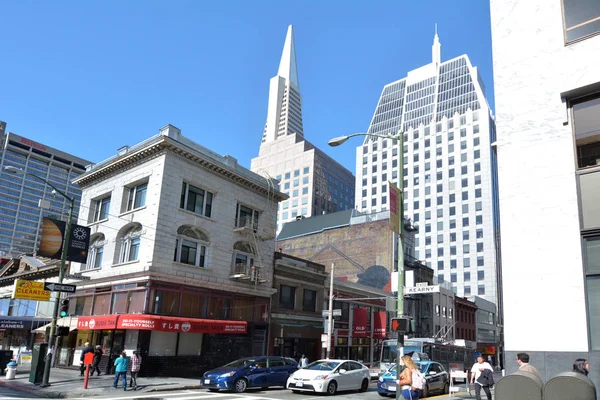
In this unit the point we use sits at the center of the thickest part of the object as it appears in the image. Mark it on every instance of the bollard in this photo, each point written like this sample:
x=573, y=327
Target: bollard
x=11, y=370
x=521, y=385
x=87, y=360
x=570, y=385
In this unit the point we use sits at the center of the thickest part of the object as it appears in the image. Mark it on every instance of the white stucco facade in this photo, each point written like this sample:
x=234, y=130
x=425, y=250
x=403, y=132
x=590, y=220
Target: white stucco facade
x=542, y=272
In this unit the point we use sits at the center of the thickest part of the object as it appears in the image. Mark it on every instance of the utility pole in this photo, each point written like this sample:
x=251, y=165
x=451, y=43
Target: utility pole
x=400, y=309
x=330, y=316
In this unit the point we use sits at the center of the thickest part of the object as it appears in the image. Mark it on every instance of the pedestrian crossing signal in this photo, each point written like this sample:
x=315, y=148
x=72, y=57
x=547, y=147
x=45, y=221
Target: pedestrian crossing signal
x=400, y=325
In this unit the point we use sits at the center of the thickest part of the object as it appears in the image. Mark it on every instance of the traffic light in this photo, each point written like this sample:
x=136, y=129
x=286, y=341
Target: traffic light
x=401, y=325
x=64, y=308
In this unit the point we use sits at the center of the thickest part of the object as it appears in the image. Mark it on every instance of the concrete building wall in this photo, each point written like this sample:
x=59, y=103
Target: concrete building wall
x=543, y=280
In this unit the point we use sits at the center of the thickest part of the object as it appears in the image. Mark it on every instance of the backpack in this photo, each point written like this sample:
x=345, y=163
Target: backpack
x=418, y=379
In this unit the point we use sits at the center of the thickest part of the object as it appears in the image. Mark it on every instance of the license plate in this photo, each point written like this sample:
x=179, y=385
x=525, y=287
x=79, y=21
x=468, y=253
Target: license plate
x=299, y=384
x=207, y=381
x=392, y=388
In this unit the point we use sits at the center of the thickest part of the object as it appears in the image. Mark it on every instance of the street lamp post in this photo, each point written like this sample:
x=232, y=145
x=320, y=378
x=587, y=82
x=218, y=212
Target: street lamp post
x=61, y=274
x=400, y=306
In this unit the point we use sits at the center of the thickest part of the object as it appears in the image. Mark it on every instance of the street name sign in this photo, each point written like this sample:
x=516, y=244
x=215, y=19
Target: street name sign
x=78, y=277
x=422, y=289
x=55, y=287
x=336, y=313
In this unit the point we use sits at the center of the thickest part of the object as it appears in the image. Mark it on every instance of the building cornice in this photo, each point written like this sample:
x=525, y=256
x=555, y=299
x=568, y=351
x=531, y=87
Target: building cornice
x=159, y=143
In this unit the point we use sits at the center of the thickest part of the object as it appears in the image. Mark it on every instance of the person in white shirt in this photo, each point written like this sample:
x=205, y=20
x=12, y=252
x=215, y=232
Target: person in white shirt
x=303, y=361
x=476, y=371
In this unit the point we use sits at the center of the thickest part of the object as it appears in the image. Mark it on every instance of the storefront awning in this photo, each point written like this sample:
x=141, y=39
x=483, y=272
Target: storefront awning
x=71, y=322
x=161, y=323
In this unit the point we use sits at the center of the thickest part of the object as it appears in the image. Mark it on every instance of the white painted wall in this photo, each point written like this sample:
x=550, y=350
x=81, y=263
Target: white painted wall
x=541, y=251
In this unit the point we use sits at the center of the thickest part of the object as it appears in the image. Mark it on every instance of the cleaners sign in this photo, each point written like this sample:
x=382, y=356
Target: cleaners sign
x=30, y=290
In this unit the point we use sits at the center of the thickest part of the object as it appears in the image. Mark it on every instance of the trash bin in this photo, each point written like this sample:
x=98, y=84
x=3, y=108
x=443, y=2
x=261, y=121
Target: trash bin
x=11, y=370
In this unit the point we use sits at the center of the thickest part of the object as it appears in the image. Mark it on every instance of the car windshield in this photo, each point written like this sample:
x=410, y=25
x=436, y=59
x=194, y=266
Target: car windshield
x=422, y=368
x=240, y=363
x=322, y=365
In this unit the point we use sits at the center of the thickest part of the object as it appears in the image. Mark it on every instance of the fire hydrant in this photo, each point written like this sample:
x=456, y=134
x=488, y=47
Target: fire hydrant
x=11, y=370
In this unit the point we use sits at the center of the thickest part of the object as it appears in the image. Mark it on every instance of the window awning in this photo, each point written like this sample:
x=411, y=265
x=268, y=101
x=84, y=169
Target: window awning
x=161, y=323
x=71, y=322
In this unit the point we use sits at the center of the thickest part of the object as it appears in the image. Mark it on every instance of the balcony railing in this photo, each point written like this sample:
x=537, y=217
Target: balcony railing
x=243, y=223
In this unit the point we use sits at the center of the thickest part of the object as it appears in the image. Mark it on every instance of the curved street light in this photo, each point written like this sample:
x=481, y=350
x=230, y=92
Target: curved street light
x=400, y=306
x=61, y=273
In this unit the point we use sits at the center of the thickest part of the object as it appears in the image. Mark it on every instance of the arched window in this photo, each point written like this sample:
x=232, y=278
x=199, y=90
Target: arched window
x=130, y=244
x=243, y=258
x=95, y=252
x=191, y=246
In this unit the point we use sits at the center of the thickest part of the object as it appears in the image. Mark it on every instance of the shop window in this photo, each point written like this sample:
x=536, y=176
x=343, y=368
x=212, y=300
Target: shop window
x=193, y=305
x=190, y=344
x=164, y=302
x=102, y=304
x=219, y=308
x=162, y=344
x=581, y=19
x=243, y=308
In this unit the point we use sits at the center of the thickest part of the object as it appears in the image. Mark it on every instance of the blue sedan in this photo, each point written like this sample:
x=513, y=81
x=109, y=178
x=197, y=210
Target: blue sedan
x=435, y=375
x=250, y=372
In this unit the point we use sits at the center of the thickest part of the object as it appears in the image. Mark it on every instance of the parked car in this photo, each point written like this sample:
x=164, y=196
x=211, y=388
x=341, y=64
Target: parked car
x=263, y=372
x=329, y=376
x=436, y=376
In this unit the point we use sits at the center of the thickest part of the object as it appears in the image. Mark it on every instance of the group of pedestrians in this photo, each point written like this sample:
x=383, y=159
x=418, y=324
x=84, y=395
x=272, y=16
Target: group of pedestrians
x=121, y=365
x=482, y=378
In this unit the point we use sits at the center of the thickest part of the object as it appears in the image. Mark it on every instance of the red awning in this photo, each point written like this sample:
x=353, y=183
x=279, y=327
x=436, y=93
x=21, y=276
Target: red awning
x=161, y=323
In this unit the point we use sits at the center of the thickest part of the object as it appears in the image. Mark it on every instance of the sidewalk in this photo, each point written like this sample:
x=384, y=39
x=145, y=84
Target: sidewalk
x=66, y=383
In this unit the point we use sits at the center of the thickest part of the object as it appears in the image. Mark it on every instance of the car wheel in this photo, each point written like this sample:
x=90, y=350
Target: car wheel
x=213, y=390
x=382, y=394
x=426, y=390
x=446, y=388
x=240, y=385
x=364, y=385
x=332, y=388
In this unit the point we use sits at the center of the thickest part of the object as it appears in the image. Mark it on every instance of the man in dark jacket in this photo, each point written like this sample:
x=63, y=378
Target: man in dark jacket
x=96, y=363
x=86, y=349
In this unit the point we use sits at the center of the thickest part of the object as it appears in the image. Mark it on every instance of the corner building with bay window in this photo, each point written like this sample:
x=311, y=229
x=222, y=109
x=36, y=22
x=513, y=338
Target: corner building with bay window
x=180, y=261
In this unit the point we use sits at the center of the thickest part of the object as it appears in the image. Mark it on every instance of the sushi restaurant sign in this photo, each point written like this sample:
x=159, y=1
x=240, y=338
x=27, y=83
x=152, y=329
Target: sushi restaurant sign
x=30, y=290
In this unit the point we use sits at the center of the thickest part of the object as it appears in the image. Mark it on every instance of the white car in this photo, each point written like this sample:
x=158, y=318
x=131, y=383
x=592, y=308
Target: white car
x=329, y=376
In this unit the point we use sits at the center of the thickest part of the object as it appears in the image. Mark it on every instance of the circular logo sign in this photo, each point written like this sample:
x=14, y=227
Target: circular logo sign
x=79, y=233
x=92, y=323
x=186, y=326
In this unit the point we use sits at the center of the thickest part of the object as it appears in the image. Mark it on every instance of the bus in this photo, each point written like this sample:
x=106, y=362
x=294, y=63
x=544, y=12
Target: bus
x=450, y=356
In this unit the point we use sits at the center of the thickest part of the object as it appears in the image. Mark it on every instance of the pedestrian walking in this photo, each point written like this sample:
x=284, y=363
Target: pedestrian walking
x=121, y=364
x=86, y=349
x=476, y=372
x=523, y=361
x=96, y=363
x=408, y=382
x=136, y=364
x=582, y=366
x=303, y=361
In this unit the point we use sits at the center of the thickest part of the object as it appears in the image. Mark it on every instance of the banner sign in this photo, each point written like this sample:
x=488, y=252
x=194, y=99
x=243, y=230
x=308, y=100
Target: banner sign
x=161, y=323
x=22, y=323
x=380, y=322
x=52, y=241
x=359, y=324
x=395, y=200
x=30, y=290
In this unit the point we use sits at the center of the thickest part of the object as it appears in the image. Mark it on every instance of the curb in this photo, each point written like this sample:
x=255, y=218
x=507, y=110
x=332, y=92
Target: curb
x=170, y=389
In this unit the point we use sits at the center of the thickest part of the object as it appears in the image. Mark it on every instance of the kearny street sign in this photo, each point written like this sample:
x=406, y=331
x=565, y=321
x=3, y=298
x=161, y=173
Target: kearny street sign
x=422, y=289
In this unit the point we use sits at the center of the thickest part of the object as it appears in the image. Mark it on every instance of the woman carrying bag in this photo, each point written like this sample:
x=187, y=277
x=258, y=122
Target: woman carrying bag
x=406, y=378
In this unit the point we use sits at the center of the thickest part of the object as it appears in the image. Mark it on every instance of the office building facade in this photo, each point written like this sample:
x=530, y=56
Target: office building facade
x=547, y=79
x=315, y=182
x=450, y=186
x=20, y=211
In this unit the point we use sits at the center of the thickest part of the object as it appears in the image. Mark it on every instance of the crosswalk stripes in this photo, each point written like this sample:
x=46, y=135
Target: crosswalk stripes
x=183, y=395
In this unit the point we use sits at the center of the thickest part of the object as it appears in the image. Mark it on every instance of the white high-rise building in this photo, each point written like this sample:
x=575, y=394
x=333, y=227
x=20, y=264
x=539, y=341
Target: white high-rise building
x=450, y=178
x=316, y=183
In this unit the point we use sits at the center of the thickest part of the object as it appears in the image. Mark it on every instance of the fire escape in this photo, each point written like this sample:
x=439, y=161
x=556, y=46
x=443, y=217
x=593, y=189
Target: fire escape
x=248, y=260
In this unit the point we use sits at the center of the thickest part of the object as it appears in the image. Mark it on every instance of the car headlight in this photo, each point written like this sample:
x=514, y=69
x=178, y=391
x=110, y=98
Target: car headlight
x=227, y=374
x=381, y=379
x=320, y=377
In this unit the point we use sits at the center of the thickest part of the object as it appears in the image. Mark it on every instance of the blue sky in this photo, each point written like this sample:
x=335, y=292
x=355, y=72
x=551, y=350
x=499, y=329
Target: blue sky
x=88, y=77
